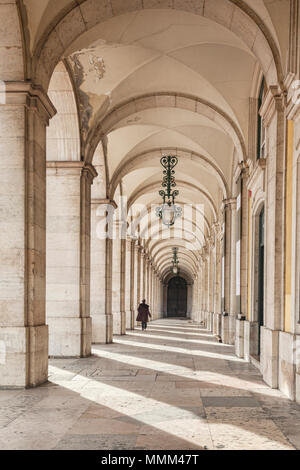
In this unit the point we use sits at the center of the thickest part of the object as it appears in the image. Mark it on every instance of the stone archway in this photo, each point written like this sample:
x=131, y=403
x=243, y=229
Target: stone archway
x=231, y=14
x=177, y=298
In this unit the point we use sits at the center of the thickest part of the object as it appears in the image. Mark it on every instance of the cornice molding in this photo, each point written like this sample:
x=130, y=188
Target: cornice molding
x=105, y=202
x=274, y=102
x=27, y=94
x=73, y=165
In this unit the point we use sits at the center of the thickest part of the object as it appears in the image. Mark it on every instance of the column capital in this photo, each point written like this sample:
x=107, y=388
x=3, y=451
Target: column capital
x=139, y=247
x=211, y=241
x=143, y=251
x=105, y=202
x=120, y=223
x=275, y=101
x=18, y=93
x=229, y=203
x=129, y=239
x=89, y=171
x=204, y=252
x=244, y=169
x=72, y=167
x=219, y=230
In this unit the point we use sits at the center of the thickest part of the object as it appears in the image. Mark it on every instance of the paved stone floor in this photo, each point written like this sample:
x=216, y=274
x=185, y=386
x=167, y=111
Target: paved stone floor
x=172, y=387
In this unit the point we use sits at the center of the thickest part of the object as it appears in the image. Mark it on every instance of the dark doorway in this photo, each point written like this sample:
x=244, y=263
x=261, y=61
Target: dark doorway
x=177, y=297
x=261, y=259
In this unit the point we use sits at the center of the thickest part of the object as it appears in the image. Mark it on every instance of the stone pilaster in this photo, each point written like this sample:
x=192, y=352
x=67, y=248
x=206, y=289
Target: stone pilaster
x=148, y=281
x=229, y=317
x=68, y=258
x=23, y=331
x=129, y=279
x=272, y=113
x=118, y=273
x=102, y=213
x=143, y=274
x=133, y=285
x=138, y=250
x=244, y=240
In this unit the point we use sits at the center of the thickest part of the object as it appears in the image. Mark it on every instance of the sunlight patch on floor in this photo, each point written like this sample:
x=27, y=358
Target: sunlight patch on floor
x=180, y=328
x=177, y=340
x=127, y=402
x=176, y=350
x=215, y=378
x=153, y=328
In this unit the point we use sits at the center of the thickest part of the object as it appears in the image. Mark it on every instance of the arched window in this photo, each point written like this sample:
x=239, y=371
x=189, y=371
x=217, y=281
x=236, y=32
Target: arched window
x=261, y=133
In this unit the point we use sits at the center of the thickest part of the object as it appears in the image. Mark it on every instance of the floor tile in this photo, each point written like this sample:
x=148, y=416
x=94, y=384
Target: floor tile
x=183, y=391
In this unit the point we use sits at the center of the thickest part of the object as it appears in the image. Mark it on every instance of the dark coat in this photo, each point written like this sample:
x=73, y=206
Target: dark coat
x=143, y=313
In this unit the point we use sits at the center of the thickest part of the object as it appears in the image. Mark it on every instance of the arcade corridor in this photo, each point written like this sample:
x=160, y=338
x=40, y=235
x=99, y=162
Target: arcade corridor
x=150, y=149
x=172, y=387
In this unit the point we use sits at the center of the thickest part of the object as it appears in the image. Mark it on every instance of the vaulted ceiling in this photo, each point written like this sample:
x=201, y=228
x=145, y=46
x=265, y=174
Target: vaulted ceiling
x=153, y=82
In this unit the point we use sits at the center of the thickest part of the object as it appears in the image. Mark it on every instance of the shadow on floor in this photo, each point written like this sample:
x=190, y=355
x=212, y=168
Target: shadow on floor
x=147, y=391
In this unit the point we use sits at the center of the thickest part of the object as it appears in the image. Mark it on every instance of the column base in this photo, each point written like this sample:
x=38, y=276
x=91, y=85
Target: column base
x=298, y=386
x=250, y=339
x=269, y=356
x=70, y=337
x=287, y=371
x=203, y=319
x=133, y=317
x=102, y=332
x=119, y=323
x=128, y=320
x=23, y=356
x=225, y=328
x=231, y=330
x=217, y=327
x=239, y=337
x=210, y=321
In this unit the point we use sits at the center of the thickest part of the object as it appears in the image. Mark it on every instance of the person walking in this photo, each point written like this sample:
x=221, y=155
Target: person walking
x=143, y=314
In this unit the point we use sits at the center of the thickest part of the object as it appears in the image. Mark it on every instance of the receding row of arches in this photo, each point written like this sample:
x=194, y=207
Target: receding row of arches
x=95, y=94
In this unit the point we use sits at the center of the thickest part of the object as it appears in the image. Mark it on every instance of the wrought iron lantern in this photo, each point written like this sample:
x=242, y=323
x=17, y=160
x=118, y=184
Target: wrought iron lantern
x=175, y=262
x=169, y=212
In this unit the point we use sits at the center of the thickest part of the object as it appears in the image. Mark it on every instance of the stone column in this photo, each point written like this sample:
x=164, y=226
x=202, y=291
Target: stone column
x=154, y=308
x=203, y=288
x=133, y=287
x=147, y=279
x=118, y=277
x=272, y=112
x=202, y=295
x=102, y=321
x=217, y=280
x=160, y=298
x=68, y=258
x=229, y=317
x=129, y=275
x=207, y=314
x=244, y=240
x=194, y=295
x=199, y=299
x=154, y=291
x=240, y=321
x=138, y=299
x=151, y=288
x=212, y=285
x=123, y=282
x=143, y=274
x=108, y=287
x=159, y=306
x=23, y=330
